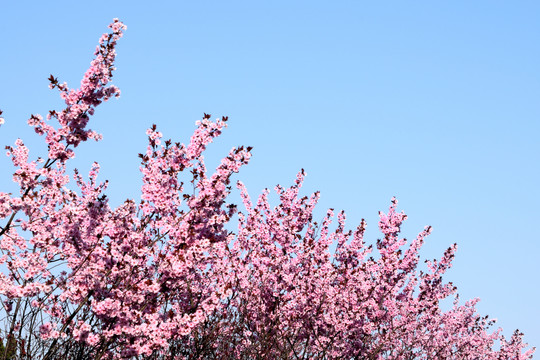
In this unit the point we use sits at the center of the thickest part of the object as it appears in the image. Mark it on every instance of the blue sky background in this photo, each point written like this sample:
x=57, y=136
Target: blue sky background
x=435, y=103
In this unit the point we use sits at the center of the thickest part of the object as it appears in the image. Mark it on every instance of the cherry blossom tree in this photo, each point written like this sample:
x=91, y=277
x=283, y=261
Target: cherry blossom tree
x=165, y=278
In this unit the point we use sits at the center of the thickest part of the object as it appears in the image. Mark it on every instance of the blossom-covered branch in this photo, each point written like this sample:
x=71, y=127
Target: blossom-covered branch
x=166, y=278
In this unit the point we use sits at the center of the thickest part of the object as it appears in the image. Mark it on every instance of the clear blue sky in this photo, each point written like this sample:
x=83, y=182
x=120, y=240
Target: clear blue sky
x=437, y=104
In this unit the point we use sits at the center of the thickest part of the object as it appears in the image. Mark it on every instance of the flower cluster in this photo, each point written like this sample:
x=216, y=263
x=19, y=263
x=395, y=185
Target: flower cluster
x=165, y=278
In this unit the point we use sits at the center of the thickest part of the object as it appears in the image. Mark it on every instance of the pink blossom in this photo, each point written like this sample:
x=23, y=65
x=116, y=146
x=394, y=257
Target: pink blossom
x=166, y=277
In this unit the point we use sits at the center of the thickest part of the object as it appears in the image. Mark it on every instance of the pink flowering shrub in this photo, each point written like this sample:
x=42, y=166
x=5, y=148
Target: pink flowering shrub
x=165, y=279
